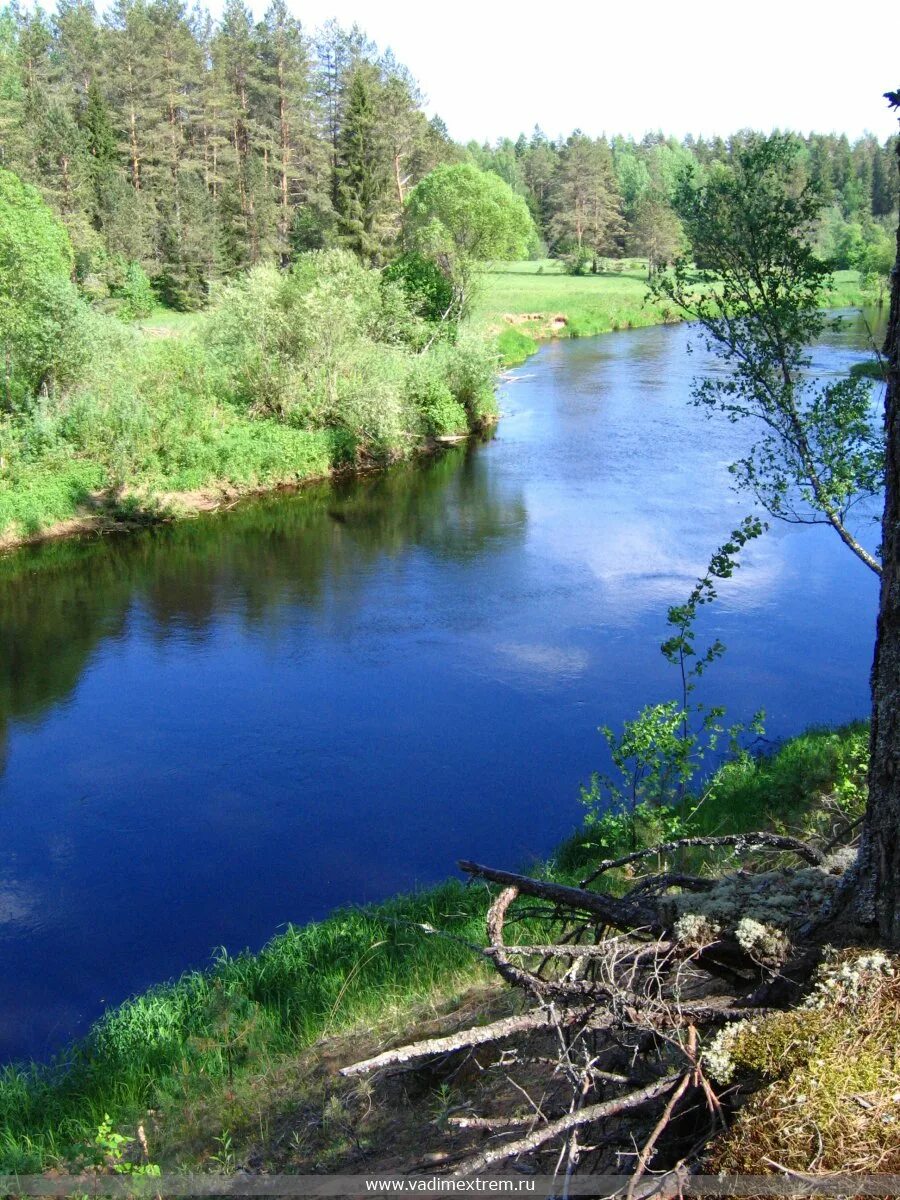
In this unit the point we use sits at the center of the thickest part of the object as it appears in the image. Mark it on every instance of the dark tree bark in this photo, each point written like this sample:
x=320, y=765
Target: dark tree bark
x=878, y=884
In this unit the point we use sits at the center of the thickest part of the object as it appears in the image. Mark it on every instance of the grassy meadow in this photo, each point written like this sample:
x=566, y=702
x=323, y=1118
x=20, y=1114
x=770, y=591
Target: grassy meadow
x=524, y=303
x=193, y=1059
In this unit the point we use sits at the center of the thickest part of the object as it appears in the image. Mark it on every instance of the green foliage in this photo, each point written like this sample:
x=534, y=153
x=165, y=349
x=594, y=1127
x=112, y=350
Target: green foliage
x=291, y=374
x=470, y=368
x=112, y=1147
x=585, y=202
x=664, y=748
x=41, y=317
x=459, y=217
x=331, y=344
x=136, y=293
x=774, y=790
x=428, y=390
x=758, y=297
x=427, y=289
x=459, y=212
x=205, y=1030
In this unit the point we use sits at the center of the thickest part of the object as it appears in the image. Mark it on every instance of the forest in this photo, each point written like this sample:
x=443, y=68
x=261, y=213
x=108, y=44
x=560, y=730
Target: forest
x=186, y=150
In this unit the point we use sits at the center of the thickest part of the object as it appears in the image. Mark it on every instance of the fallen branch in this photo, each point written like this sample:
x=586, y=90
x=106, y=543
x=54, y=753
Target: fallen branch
x=592, y=1112
x=628, y=915
x=647, y=1152
x=537, y=1018
x=752, y=841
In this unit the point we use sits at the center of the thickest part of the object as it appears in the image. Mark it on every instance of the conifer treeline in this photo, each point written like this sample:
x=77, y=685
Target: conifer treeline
x=198, y=148
x=599, y=196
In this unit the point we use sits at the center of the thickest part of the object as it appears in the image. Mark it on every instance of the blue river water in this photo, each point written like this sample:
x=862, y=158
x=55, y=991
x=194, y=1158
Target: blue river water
x=214, y=728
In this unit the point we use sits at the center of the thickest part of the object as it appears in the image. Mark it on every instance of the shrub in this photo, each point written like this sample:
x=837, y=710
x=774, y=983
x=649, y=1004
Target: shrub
x=428, y=291
x=430, y=395
x=136, y=293
x=470, y=368
x=41, y=313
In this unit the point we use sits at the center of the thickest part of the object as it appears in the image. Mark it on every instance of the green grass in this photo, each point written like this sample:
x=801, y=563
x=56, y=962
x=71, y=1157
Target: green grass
x=581, y=305
x=523, y=303
x=188, y=1045
x=166, y=322
x=804, y=787
x=187, y=1041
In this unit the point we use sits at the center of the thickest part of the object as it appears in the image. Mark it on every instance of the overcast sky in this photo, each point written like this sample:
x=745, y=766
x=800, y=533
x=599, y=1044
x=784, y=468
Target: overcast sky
x=494, y=68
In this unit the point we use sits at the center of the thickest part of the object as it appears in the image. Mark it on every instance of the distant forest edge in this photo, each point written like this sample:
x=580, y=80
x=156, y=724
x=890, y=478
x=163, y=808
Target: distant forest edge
x=183, y=150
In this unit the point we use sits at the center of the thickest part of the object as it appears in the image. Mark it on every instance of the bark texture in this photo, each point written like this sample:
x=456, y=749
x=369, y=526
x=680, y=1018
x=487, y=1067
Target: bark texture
x=878, y=888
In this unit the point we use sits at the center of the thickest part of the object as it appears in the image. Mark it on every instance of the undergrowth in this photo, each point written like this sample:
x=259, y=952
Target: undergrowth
x=289, y=375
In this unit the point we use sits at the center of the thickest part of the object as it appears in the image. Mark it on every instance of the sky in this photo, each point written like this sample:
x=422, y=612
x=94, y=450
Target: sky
x=492, y=68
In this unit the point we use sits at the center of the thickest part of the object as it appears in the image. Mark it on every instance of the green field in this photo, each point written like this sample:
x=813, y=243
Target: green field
x=527, y=302
x=524, y=303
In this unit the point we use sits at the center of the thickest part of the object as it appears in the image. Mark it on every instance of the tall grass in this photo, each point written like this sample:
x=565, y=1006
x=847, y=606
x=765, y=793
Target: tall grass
x=189, y=1043
x=192, y=1038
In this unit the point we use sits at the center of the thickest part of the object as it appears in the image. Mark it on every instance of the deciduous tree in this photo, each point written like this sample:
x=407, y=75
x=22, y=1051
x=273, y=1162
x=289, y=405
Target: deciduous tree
x=759, y=298
x=460, y=216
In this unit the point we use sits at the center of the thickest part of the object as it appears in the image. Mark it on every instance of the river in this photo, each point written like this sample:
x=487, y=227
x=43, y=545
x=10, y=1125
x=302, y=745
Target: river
x=213, y=728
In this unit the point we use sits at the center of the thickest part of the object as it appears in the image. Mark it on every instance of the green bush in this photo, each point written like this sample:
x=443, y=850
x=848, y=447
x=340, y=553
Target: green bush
x=42, y=317
x=470, y=368
x=429, y=393
x=428, y=290
x=136, y=293
x=331, y=344
x=290, y=373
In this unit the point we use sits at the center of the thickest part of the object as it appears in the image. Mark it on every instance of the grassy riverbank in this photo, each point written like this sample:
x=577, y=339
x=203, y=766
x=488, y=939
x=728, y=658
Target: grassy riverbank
x=194, y=1059
x=288, y=377
x=524, y=303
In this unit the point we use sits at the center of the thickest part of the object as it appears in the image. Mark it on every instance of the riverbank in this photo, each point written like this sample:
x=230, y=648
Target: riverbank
x=523, y=304
x=180, y=416
x=290, y=376
x=209, y=1063
x=124, y=510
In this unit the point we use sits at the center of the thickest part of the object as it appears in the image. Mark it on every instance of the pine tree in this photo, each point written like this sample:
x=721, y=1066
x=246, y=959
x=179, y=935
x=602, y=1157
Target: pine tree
x=585, y=202
x=363, y=167
x=237, y=84
x=298, y=160
x=338, y=52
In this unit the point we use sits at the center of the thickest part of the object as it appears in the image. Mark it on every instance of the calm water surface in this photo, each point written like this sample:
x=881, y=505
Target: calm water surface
x=212, y=729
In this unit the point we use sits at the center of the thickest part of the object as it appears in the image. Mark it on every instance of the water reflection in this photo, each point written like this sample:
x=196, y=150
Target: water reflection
x=245, y=719
x=60, y=602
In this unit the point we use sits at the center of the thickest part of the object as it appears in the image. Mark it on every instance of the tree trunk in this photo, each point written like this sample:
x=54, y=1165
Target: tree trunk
x=878, y=884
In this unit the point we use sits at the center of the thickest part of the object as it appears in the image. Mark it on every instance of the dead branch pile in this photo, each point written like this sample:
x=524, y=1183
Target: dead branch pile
x=619, y=996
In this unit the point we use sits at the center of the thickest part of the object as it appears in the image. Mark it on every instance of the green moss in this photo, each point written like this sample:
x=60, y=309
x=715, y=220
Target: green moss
x=825, y=1076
